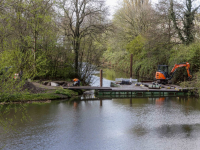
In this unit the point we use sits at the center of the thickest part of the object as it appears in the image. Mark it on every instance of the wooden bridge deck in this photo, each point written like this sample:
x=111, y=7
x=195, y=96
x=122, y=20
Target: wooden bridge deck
x=133, y=90
x=87, y=88
x=128, y=88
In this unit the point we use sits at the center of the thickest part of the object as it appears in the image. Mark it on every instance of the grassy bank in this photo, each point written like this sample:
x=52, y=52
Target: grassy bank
x=52, y=95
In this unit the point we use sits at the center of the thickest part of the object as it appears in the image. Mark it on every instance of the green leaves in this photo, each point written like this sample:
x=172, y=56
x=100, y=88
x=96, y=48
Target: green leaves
x=136, y=46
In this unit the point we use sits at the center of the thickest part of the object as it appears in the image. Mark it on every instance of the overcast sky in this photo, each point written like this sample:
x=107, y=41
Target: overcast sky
x=114, y=3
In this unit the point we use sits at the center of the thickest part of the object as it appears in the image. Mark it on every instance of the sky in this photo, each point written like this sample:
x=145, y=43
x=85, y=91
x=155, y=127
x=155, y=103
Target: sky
x=114, y=3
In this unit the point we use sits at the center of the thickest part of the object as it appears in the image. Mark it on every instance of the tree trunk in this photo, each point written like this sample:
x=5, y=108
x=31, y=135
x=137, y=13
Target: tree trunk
x=76, y=49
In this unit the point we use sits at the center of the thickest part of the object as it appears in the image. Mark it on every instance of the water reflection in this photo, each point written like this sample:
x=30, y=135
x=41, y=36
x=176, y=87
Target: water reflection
x=101, y=103
x=139, y=130
x=75, y=104
x=128, y=123
x=10, y=114
x=160, y=101
x=179, y=130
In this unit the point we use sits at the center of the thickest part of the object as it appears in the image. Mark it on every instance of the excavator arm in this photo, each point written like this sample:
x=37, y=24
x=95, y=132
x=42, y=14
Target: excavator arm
x=187, y=65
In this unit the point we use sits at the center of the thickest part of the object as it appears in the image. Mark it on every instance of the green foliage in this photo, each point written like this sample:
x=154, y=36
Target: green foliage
x=183, y=53
x=41, y=96
x=10, y=88
x=28, y=97
x=136, y=46
x=67, y=92
x=145, y=59
x=41, y=66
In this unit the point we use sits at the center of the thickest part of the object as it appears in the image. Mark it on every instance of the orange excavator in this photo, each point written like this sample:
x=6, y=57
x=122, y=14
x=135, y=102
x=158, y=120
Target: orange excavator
x=162, y=75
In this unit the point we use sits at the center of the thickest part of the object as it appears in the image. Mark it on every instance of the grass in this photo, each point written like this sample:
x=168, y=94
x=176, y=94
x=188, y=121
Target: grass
x=58, y=94
x=67, y=92
x=28, y=97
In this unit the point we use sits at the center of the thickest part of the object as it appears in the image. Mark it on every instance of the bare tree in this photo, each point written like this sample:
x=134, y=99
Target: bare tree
x=80, y=19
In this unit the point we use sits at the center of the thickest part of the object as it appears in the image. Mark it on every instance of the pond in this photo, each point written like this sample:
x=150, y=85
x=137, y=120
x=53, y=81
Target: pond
x=110, y=124
x=137, y=123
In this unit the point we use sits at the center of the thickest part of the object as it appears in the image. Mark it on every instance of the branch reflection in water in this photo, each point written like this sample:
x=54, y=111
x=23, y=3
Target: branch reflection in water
x=10, y=116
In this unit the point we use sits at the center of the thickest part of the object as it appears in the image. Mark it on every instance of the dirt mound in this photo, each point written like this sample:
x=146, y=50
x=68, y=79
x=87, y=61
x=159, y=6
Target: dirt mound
x=30, y=87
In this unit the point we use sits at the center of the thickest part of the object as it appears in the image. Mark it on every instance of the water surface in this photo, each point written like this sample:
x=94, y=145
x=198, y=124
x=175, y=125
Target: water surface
x=124, y=124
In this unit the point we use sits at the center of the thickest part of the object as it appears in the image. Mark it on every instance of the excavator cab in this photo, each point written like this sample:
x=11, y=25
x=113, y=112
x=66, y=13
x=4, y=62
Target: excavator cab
x=162, y=74
x=163, y=68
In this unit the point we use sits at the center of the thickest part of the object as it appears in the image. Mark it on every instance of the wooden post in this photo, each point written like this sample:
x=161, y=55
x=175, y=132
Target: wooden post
x=131, y=64
x=101, y=78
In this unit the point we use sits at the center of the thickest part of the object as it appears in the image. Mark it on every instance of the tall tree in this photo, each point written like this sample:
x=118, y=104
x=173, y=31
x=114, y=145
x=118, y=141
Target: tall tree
x=39, y=17
x=136, y=15
x=26, y=27
x=82, y=18
x=184, y=22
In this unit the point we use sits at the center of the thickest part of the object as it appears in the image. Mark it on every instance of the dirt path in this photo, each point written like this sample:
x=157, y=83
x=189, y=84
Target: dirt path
x=38, y=85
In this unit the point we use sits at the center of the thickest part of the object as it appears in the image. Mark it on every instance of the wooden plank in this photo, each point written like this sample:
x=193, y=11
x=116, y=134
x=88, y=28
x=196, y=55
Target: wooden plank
x=87, y=88
x=147, y=93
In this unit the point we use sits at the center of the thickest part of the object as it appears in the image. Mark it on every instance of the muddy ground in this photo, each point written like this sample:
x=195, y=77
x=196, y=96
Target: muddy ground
x=43, y=87
x=30, y=87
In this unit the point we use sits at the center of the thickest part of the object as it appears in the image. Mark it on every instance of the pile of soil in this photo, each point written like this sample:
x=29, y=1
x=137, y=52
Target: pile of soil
x=30, y=87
